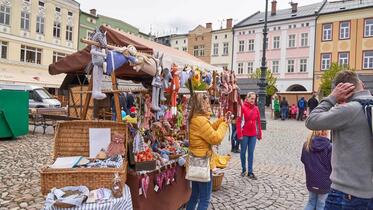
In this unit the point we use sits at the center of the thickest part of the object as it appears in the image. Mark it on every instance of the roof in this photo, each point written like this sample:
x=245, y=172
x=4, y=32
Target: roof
x=284, y=14
x=247, y=85
x=345, y=5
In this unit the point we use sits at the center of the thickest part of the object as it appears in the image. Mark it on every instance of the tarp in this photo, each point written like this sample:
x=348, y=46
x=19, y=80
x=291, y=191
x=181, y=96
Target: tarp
x=77, y=62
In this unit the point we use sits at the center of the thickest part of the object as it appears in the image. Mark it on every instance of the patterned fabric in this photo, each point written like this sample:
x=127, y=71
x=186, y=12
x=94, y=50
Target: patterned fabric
x=124, y=203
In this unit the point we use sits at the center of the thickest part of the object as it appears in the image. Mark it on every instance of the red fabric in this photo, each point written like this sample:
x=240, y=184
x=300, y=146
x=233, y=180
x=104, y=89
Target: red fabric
x=133, y=109
x=251, y=115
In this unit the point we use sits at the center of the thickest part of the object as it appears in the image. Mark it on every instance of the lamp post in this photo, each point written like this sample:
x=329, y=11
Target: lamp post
x=262, y=81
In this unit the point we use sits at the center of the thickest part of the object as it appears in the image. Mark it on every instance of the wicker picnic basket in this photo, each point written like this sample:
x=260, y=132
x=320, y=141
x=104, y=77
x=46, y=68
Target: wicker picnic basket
x=72, y=139
x=217, y=180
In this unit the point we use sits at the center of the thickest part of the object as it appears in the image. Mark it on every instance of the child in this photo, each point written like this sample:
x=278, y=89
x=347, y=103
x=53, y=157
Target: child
x=293, y=111
x=316, y=157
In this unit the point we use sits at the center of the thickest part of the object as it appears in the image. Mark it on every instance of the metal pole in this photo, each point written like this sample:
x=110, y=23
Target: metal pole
x=262, y=82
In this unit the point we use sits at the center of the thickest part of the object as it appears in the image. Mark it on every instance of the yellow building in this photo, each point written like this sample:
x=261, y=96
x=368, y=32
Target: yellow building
x=344, y=35
x=34, y=34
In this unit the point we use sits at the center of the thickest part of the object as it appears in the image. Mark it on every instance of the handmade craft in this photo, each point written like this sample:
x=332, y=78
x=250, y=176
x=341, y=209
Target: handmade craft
x=175, y=86
x=148, y=115
x=167, y=76
x=116, y=146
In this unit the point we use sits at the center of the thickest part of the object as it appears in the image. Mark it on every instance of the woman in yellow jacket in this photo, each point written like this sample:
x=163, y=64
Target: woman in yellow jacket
x=202, y=135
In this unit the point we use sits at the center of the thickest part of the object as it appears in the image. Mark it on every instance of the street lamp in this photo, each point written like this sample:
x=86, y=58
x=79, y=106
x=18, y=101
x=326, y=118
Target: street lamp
x=262, y=81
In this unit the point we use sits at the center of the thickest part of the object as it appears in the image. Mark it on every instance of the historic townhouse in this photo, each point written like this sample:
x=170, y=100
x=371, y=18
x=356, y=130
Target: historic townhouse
x=221, y=43
x=290, y=45
x=344, y=35
x=34, y=34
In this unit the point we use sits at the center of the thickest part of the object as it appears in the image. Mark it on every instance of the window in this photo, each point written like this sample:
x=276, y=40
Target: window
x=184, y=41
x=326, y=60
x=304, y=40
x=25, y=21
x=185, y=49
x=202, y=50
x=344, y=30
x=40, y=25
x=58, y=56
x=290, y=26
x=303, y=65
x=251, y=45
x=225, y=36
x=69, y=33
x=57, y=30
x=275, y=66
x=368, y=60
x=70, y=14
x=291, y=41
x=216, y=49
x=327, y=32
x=30, y=54
x=225, y=48
x=216, y=37
x=58, y=9
x=4, y=15
x=3, y=49
x=41, y=4
x=368, y=27
x=250, y=67
x=307, y=24
x=291, y=66
x=276, y=42
x=241, y=46
x=240, y=68
x=177, y=42
x=195, y=51
x=266, y=44
x=343, y=59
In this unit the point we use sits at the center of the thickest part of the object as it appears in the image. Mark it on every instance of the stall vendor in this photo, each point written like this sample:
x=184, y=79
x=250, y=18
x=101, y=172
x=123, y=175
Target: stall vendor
x=131, y=118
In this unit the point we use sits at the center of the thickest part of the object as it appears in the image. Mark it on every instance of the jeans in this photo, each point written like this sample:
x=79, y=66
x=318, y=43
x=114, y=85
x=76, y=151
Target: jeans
x=247, y=142
x=284, y=113
x=234, y=140
x=300, y=114
x=339, y=200
x=201, y=194
x=316, y=201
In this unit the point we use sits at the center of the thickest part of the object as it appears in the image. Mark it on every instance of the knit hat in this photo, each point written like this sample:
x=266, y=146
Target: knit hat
x=133, y=109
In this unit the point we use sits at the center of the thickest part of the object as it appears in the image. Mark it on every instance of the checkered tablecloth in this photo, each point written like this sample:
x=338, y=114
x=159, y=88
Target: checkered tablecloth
x=123, y=203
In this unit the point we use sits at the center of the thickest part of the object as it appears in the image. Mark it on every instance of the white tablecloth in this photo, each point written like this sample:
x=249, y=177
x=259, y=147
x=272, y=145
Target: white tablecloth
x=123, y=203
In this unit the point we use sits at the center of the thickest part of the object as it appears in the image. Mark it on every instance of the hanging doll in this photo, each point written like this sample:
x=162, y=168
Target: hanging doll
x=120, y=56
x=175, y=86
x=226, y=89
x=148, y=115
x=157, y=83
x=184, y=76
x=99, y=64
x=167, y=76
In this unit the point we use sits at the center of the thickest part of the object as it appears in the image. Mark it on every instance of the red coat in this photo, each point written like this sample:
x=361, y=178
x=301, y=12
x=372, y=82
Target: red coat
x=251, y=123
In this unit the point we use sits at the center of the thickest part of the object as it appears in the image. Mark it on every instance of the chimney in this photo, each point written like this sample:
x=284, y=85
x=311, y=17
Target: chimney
x=229, y=23
x=93, y=12
x=294, y=7
x=209, y=25
x=274, y=8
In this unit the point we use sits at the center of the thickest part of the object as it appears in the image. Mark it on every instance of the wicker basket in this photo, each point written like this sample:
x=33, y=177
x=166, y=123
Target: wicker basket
x=217, y=180
x=72, y=139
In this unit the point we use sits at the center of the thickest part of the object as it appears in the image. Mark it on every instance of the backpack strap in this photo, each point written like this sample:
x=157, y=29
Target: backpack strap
x=367, y=105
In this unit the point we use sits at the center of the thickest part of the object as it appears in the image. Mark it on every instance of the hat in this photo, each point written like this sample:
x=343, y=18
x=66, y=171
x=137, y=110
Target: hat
x=133, y=109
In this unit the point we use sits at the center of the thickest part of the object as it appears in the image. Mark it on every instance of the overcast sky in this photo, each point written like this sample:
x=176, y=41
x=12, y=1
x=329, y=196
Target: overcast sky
x=179, y=16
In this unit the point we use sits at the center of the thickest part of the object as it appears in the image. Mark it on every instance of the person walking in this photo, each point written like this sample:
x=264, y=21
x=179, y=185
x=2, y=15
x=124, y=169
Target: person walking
x=248, y=131
x=202, y=135
x=316, y=157
x=234, y=142
x=352, y=162
x=302, y=103
x=284, y=106
x=276, y=107
x=312, y=103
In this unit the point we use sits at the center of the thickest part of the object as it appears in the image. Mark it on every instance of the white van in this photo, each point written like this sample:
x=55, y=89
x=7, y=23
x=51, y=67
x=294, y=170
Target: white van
x=38, y=96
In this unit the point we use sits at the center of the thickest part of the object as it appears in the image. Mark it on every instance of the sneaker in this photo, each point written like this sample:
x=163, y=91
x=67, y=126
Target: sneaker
x=238, y=151
x=243, y=174
x=252, y=176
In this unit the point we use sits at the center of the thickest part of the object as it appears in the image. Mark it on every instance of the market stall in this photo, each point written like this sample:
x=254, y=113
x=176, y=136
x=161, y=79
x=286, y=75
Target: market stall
x=155, y=122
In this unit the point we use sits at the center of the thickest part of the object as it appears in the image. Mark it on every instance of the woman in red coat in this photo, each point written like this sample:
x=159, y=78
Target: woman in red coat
x=248, y=130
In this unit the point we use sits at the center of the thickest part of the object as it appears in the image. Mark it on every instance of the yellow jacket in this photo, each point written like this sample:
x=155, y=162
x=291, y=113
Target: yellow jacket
x=203, y=134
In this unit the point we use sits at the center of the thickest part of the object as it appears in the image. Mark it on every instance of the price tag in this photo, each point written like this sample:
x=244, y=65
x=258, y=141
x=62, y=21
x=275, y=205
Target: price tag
x=156, y=188
x=140, y=191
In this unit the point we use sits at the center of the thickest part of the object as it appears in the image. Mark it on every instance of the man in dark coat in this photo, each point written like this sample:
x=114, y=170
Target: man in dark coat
x=312, y=102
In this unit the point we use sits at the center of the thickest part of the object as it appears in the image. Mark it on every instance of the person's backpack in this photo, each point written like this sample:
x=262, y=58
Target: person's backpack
x=301, y=104
x=367, y=105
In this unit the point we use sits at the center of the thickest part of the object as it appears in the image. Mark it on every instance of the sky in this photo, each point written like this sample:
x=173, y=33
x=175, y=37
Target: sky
x=163, y=17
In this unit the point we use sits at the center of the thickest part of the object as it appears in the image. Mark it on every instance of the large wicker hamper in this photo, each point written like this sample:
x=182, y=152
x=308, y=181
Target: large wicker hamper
x=72, y=139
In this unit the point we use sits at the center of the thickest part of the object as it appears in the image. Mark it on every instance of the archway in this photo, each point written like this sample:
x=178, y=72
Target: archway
x=296, y=87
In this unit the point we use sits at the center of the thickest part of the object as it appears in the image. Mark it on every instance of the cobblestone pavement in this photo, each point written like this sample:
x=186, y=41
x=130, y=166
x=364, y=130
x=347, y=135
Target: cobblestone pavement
x=281, y=180
x=280, y=184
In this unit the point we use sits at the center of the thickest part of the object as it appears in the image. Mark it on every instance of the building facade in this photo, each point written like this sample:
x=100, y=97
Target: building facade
x=344, y=35
x=90, y=21
x=221, y=43
x=34, y=34
x=290, y=45
x=199, y=42
x=179, y=42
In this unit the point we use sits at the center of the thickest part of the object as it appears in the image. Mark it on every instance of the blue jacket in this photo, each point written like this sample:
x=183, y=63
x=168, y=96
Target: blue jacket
x=317, y=164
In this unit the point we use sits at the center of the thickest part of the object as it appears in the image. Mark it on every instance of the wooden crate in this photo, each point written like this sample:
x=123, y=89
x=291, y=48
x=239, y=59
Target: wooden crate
x=72, y=139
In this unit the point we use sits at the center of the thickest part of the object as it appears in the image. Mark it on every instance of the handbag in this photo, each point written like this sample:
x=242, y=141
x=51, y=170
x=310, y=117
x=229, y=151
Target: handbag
x=198, y=168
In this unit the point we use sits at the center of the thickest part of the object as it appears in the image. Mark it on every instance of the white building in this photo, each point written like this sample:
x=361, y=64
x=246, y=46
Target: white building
x=179, y=42
x=221, y=46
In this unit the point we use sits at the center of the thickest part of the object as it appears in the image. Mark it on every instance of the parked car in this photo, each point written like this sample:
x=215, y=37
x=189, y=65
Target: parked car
x=38, y=96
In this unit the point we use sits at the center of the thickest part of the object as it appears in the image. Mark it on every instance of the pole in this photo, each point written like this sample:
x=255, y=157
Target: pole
x=262, y=81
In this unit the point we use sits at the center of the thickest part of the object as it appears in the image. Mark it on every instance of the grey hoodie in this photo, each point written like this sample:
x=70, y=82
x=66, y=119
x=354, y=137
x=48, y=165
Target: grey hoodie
x=352, y=154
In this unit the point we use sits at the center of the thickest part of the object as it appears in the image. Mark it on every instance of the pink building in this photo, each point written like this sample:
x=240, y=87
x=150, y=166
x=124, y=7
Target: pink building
x=290, y=45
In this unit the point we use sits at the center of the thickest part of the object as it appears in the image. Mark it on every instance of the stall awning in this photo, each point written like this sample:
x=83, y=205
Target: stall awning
x=23, y=76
